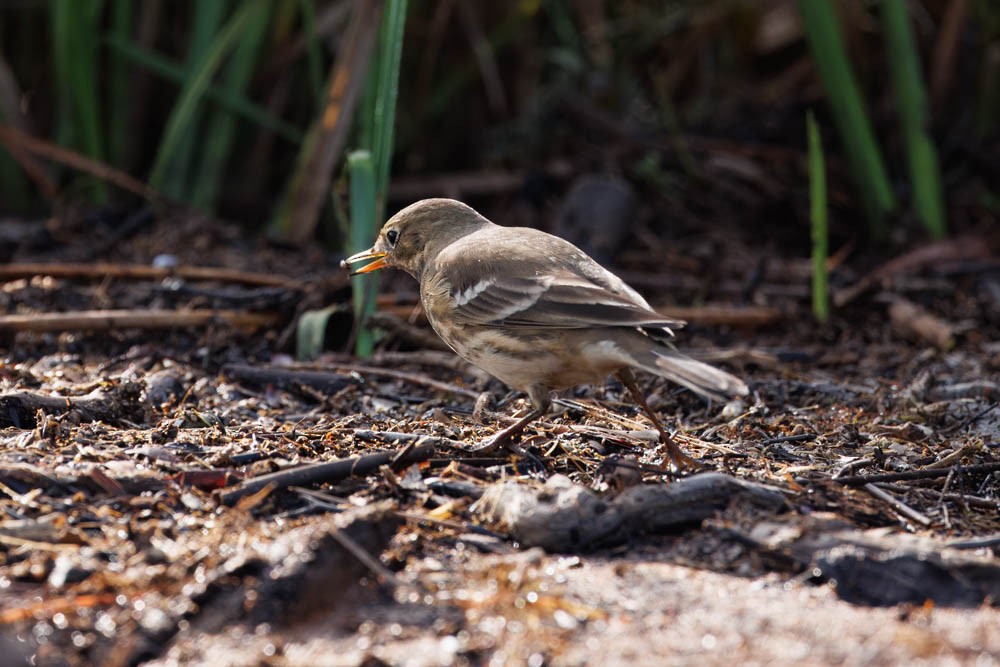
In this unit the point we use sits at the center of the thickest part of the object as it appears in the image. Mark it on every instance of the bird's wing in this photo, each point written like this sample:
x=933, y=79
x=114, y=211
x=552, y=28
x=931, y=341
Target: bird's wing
x=511, y=292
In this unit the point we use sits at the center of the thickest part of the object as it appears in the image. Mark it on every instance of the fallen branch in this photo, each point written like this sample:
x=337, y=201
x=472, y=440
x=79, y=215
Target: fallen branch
x=111, y=320
x=20, y=408
x=914, y=322
x=329, y=472
x=561, y=516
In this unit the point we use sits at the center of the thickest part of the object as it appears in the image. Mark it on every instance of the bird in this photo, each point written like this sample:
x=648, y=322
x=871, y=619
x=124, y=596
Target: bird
x=535, y=311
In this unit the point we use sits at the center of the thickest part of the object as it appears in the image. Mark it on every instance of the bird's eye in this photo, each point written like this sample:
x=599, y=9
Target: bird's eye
x=392, y=236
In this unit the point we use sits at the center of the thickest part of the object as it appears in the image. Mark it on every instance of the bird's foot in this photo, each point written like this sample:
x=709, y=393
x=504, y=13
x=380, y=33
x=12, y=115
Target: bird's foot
x=491, y=444
x=503, y=440
x=678, y=459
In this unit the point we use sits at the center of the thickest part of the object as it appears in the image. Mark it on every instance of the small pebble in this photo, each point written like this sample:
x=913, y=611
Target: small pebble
x=166, y=261
x=734, y=409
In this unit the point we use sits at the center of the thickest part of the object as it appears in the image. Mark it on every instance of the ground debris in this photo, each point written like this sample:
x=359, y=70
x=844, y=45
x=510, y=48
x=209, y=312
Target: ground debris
x=880, y=567
x=119, y=401
x=199, y=514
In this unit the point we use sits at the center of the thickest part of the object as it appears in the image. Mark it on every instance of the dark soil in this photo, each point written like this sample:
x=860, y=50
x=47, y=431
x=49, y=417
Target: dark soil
x=121, y=541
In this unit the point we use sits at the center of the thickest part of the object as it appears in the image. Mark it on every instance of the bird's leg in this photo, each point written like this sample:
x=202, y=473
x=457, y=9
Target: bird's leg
x=540, y=400
x=676, y=454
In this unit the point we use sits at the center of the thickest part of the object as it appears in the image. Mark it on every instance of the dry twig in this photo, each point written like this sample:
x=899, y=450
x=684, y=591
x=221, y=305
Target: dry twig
x=329, y=472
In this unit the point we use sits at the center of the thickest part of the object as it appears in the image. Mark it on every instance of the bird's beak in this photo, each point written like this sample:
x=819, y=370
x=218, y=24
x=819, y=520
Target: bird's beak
x=364, y=255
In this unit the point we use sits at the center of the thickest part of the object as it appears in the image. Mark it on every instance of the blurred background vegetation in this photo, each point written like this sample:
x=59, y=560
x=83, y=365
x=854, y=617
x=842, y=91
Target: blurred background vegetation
x=247, y=110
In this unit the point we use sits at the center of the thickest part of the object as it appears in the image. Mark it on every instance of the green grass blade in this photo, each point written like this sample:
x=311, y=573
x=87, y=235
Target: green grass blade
x=75, y=27
x=818, y=218
x=310, y=331
x=222, y=127
x=389, y=54
x=369, y=170
x=237, y=104
x=182, y=116
x=361, y=235
x=314, y=54
x=822, y=29
x=206, y=20
x=911, y=98
x=119, y=95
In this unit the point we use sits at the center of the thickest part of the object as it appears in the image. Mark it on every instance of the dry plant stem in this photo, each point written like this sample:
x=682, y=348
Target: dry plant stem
x=677, y=456
x=329, y=472
x=898, y=505
x=943, y=62
x=11, y=136
x=940, y=252
x=483, y=51
x=412, y=378
x=976, y=543
x=321, y=381
x=407, y=438
x=329, y=133
x=110, y=320
x=910, y=319
x=34, y=170
x=860, y=480
x=103, y=270
x=369, y=561
x=441, y=359
x=956, y=456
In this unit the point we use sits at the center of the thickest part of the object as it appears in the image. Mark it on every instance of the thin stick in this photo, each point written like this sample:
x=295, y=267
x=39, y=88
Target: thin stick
x=955, y=456
x=322, y=381
x=112, y=320
x=12, y=136
x=412, y=378
x=407, y=438
x=975, y=542
x=366, y=558
x=317, y=473
x=861, y=480
x=102, y=270
x=898, y=505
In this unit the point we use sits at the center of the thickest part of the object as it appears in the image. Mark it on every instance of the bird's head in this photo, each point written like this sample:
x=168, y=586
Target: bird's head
x=415, y=235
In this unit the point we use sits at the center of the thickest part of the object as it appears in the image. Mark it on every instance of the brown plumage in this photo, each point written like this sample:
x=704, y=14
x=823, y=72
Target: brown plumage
x=533, y=309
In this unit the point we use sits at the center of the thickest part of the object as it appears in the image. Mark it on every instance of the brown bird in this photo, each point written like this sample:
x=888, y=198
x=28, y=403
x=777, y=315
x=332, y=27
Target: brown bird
x=534, y=310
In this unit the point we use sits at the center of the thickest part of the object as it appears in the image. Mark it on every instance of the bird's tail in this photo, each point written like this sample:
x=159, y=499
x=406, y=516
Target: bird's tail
x=699, y=377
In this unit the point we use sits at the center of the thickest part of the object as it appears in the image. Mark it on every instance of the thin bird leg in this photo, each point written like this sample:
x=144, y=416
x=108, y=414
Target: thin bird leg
x=677, y=455
x=541, y=402
x=502, y=439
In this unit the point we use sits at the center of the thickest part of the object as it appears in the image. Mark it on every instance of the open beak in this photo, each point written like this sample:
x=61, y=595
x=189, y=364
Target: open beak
x=364, y=255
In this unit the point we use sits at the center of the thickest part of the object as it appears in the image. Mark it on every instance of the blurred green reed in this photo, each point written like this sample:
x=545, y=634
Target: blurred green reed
x=914, y=116
x=822, y=28
x=818, y=212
